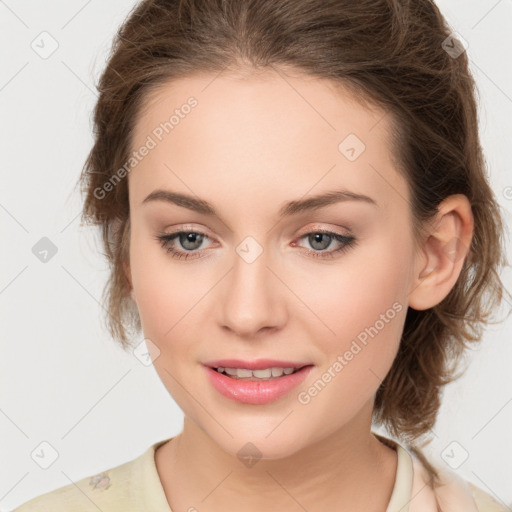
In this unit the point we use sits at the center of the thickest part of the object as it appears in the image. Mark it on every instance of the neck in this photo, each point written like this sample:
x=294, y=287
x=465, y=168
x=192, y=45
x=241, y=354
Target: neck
x=350, y=467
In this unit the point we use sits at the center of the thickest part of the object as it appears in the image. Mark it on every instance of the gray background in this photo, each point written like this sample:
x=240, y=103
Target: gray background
x=62, y=379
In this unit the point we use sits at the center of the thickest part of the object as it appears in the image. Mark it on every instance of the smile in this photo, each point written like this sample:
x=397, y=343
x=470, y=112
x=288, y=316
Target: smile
x=264, y=374
x=256, y=387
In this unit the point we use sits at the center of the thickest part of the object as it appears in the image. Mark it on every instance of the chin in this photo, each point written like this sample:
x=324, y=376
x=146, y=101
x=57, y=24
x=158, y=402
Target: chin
x=259, y=445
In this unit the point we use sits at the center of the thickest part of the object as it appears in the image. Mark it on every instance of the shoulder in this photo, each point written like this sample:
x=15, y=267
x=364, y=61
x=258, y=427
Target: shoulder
x=485, y=501
x=109, y=491
x=452, y=493
x=81, y=496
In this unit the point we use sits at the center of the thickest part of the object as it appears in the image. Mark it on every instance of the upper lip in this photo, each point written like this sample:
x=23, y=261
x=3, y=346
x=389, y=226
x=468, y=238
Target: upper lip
x=255, y=364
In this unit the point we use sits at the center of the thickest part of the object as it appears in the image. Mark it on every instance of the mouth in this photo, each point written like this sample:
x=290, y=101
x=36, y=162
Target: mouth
x=256, y=386
x=256, y=369
x=269, y=373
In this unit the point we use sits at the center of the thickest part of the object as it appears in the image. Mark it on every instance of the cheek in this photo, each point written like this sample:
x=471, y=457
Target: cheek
x=166, y=295
x=353, y=293
x=362, y=309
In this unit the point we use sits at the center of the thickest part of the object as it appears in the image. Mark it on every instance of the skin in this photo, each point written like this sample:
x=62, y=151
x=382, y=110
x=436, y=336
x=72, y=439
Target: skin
x=252, y=144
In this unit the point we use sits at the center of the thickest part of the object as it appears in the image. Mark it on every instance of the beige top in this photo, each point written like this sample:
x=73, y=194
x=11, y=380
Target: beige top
x=135, y=486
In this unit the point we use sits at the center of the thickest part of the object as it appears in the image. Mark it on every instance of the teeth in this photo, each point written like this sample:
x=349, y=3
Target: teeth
x=267, y=373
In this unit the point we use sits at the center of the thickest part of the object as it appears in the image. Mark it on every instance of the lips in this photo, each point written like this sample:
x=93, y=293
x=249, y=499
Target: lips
x=257, y=391
x=255, y=364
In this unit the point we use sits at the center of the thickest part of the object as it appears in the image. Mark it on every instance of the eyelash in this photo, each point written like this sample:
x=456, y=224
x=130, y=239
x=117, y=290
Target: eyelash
x=347, y=242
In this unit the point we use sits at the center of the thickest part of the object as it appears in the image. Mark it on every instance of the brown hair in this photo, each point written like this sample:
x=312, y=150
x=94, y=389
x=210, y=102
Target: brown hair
x=387, y=52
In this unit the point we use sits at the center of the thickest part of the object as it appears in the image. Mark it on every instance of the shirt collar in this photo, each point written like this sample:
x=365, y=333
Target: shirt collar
x=401, y=494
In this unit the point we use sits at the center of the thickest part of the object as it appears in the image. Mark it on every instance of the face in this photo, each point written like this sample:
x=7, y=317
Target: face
x=326, y=287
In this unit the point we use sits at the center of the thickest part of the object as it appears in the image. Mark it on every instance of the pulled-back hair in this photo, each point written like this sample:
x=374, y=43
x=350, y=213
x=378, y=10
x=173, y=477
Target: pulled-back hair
x=390, y=53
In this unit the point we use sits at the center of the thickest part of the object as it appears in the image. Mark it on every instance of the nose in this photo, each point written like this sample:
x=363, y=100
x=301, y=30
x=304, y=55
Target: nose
x=253, y=297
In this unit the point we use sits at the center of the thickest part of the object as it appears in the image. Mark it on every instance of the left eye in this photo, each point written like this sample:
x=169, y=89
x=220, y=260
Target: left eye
x=317, y=240
x=192, y=240
x=189, y=240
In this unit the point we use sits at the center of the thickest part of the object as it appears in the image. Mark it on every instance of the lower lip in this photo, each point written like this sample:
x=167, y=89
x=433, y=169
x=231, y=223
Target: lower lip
x=256, y=392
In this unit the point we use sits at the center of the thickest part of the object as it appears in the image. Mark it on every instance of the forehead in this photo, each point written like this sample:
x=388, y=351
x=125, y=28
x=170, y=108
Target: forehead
x=270, y=132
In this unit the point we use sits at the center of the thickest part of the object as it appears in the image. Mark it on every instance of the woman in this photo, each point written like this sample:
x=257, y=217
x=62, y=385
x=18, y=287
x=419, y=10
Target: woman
x=294, y=204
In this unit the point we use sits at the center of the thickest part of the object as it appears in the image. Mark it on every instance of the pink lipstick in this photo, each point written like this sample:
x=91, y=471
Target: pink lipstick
x=272, y=379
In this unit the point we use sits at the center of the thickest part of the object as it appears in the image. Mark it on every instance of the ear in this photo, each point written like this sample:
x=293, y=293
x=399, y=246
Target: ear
x=440, y=259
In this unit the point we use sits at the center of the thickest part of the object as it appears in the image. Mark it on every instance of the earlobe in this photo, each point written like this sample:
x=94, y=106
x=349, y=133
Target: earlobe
x=443, y=253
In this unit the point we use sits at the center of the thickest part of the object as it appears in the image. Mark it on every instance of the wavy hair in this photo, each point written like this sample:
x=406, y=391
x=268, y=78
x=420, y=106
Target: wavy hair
x=390, y=53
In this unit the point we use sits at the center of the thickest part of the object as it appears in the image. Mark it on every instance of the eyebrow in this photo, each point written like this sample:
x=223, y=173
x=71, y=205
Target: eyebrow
x=288, y=209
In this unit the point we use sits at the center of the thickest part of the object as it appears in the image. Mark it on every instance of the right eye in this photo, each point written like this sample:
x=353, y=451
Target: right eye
x=189, y=240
